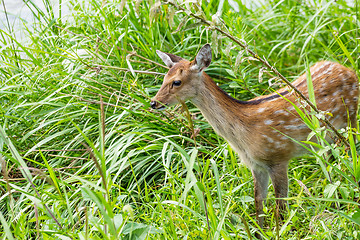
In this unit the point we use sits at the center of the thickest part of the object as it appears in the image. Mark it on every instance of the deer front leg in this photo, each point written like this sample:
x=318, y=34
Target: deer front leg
x=279, y=178
x=261, y=181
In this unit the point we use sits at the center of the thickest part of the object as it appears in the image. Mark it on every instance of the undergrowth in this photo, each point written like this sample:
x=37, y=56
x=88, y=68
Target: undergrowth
x=84, y=157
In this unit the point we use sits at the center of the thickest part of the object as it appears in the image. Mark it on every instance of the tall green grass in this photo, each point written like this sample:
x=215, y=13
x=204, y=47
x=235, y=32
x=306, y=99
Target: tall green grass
x=84, y=157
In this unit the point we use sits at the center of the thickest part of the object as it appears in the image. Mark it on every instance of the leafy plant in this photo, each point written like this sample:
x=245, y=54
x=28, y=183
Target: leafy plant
x=84, y=157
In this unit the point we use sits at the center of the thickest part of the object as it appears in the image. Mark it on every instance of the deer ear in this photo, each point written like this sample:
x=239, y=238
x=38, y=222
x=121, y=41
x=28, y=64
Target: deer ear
x=168, y=58
x=203, y=58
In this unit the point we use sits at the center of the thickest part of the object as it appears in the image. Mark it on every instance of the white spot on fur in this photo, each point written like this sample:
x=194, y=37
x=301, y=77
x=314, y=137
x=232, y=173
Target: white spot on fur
x=268, y=122
x=296, y=120
x=322, y=66
x=291, y=108
x=260, y=110
x=280, y=145
x=316, y=65
x=284, y=138
x=326, y=72
x=295, y=127
x=354, y=92
x=329, y=70
x=324, y=85
x=336, y=118
x=279, y=112
x=324, y=100
x=335, y=110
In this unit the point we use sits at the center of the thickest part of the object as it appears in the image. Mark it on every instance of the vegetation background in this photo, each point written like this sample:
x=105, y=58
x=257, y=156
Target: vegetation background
x=84, y=157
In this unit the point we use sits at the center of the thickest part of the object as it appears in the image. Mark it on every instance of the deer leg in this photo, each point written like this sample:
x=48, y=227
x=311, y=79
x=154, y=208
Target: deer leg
x=261, y=181
x=279, y=178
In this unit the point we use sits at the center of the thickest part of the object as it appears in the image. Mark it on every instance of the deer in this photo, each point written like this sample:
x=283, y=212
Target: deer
x=263, y=131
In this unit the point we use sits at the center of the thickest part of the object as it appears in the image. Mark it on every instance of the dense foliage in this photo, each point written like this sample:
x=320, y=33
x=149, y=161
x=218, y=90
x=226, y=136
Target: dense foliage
x=84, y=157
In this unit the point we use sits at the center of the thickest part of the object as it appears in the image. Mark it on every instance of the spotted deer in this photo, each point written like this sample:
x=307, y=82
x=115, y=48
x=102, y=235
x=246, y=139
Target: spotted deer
x=264, y=130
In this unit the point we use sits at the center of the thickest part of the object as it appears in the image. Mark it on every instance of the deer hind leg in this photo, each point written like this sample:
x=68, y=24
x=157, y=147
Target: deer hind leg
x=279, y=178
x=261, y=181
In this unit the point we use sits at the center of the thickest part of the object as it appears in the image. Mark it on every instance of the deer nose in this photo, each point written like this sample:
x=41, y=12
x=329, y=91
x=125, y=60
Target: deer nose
x=153, y=104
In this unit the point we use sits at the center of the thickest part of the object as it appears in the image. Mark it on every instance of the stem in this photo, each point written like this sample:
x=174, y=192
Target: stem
x=126, y=69
x=263, y=61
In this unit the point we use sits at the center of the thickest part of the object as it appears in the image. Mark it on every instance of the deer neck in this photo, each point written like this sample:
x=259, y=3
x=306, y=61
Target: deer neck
x=226, y=115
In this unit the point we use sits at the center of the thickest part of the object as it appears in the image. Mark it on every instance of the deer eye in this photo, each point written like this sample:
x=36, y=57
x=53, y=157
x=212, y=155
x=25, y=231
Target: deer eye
x=176, y=83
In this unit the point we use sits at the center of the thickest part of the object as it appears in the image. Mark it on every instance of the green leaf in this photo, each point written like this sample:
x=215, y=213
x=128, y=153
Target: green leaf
x=138, y=231
x=6, y=227
x=355, y=218
x=231, y=73
x=190, y=180
x=330, y=189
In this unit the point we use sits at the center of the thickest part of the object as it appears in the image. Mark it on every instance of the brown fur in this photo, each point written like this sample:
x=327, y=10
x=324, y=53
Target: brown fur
x=261, y=130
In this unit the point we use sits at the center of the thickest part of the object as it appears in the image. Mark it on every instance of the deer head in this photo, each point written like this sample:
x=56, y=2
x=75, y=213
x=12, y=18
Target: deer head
x=183, y=79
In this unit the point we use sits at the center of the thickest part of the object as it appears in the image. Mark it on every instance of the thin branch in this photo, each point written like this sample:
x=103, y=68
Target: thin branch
x=6, y=177
x=45, y=205
x=69, y=157
x=263, y=61
x=93, y=157
x=13, y=179
x=130, y=53
x=128, y=70
x=148, y=60
x=88, y=101
x=58, y=150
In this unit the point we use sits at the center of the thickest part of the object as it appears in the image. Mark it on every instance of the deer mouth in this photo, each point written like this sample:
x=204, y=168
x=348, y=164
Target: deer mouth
x=157, y=105
x=162, y=107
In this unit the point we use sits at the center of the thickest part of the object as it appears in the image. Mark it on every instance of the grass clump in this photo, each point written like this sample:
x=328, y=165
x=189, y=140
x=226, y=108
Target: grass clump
x=84, y=157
